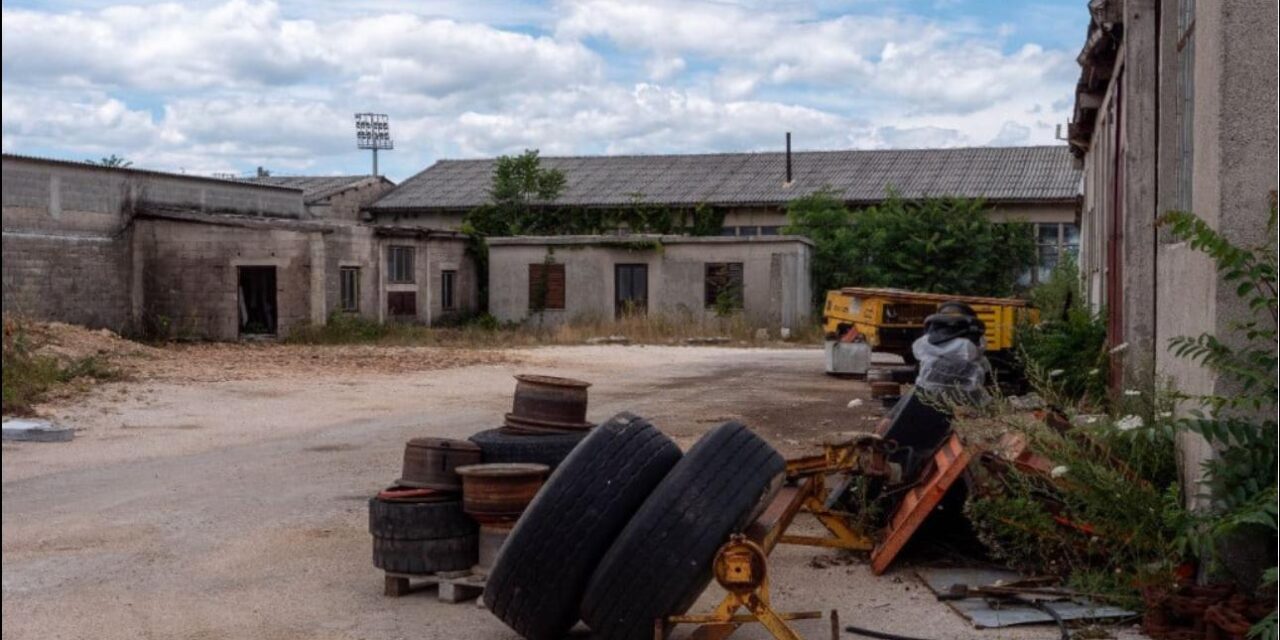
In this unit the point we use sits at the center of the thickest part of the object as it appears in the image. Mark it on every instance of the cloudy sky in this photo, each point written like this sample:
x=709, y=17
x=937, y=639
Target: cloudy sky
x=228, y=86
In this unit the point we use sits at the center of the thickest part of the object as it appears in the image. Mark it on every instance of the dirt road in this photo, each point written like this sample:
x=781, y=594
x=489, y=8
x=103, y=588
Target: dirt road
x=236, y=509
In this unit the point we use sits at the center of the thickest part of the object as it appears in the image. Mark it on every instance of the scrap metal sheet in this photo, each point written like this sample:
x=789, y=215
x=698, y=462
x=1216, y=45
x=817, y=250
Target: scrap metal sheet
x=984, y=616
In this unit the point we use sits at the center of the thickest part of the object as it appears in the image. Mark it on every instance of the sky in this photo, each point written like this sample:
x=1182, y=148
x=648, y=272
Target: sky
x=225, y=87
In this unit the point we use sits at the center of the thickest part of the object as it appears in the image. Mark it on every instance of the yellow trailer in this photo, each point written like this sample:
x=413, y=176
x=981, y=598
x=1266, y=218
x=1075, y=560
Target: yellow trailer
x=891, y=319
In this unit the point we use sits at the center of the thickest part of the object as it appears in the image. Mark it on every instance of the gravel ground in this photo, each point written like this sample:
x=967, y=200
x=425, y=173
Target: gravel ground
x=199, y=506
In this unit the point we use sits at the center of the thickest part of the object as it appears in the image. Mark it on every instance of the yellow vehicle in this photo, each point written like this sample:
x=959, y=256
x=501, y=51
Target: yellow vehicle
x=891, y=319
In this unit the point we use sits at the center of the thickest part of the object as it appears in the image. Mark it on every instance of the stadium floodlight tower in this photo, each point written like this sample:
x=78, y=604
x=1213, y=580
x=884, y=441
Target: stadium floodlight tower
x=373, y=131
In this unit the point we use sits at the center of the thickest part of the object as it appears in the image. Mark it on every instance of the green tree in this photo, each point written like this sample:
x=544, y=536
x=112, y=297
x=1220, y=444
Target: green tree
x=942, y=245
x=112, y=160
x=519, y=197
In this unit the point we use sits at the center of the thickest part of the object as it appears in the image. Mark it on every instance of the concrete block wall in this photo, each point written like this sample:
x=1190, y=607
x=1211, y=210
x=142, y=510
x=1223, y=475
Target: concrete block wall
x=352, y=246
x=346, y=206
x=190, y=278
x=776, y=289
x=82, y=280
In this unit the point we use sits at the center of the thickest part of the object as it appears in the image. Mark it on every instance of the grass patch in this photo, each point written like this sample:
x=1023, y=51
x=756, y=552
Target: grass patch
x=485, y=332
x=30, y=376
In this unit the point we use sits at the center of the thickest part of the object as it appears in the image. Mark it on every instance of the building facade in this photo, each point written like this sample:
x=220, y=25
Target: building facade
x=186, y=256
x=751, y=191
x=1175, y=110
x=341, y=198
x=567, y=279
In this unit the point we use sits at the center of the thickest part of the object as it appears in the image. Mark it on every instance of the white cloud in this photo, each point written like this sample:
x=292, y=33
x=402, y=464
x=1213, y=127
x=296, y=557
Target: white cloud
x=240, y=83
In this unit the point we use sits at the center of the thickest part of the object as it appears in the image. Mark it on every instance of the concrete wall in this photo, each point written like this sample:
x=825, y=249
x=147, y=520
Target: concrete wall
x=347, y=205
x=433, y=254
x=775, y=277
x=139, y=250
x=67, y=233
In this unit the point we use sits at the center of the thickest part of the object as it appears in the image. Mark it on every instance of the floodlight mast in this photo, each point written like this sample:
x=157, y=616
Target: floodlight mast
x=373, y=132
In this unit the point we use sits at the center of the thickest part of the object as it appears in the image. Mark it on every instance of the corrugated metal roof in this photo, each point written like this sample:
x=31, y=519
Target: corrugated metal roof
x=315, y=188
x=1026, y=174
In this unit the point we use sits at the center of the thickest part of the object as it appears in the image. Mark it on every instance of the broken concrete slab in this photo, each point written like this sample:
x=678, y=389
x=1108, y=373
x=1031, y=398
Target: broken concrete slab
x=31, y=430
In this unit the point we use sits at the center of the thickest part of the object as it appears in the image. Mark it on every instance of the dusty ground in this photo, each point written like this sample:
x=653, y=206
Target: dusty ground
x=208, y=498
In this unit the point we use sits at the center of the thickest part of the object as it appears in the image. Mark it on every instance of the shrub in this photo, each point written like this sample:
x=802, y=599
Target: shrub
x=1065, y=355
x=29, y=375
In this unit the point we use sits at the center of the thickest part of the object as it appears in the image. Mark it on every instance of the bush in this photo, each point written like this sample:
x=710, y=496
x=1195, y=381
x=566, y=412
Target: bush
x=1065, y=355
x=940, y=245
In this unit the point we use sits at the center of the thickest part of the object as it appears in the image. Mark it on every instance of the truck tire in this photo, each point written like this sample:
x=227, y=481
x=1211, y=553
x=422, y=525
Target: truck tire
x=536, y=584
x=425, y=556
x=550, y=449
x=419, y=520
x=661, y=561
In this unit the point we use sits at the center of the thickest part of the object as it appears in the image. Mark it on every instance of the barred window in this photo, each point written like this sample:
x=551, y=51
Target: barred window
x=400, y=264
x=448, y=290
x=349, y=281
x=723, y=282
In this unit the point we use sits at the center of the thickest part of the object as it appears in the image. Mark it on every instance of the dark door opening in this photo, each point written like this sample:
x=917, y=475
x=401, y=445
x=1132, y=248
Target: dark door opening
x=630, y=289
x=258, y=300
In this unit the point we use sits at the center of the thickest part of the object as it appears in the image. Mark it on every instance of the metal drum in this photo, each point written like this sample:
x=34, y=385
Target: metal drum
x=492, y=537
x=432, y=463
x=494, y=493
x=550, y=402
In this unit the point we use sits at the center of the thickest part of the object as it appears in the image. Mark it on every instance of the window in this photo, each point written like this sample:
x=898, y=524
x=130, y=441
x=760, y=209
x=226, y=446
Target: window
x=723, y=285
x=448, y=290
x=770, y=231
x=402, y=304
x=728, y=231
x=1054, y=240
x=1186, y=56
x=546, y=286
x=349, y=282
x=400, y=264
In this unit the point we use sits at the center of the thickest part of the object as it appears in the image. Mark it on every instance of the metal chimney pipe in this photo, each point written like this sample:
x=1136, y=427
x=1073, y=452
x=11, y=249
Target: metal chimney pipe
x=788, y=157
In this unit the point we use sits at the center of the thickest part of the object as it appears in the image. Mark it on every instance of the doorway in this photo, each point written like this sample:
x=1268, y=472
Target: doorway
x=258, y=314
x=630, y=289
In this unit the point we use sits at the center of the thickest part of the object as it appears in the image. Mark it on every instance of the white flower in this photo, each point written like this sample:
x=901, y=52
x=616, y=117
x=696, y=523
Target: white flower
x=1166, y=414
x=1059, y=471
x=856, y=402
x=1091, y=419
x=1129, y=423
x=1120, y=347
x=1093, y=372
x=1056, y=372
x=1132, y=392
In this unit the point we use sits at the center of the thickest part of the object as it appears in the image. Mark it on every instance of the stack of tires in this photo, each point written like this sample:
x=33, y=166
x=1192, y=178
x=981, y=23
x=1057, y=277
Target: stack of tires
x=418, y=524
x=626, y=529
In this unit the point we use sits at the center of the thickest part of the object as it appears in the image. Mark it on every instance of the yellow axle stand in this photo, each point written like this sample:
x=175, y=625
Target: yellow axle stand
x=741, y=564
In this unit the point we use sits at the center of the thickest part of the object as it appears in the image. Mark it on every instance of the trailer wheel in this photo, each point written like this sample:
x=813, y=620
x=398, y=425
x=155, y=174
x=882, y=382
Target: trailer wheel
x=536, y=584
x=661, y=561
x=549, y=449
x=425, y=556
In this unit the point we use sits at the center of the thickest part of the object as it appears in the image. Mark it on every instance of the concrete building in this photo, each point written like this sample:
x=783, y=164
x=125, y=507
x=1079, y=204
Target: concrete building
x=333, y=197
x=1175, y=110
x=144, y=251
x=1035, y=184
x=558, y=279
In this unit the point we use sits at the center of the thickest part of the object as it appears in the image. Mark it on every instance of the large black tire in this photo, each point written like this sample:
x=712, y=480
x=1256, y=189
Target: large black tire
x=549, y=449
x=661, y=561
x=536, y=584
x=419, y=520
x=425, y=556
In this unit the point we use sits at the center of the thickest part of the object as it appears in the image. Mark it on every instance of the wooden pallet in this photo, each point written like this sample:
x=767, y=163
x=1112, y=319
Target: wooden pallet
x=451, y=586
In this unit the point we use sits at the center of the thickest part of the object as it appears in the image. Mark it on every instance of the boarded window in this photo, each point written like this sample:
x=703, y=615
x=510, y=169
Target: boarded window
x=400, y=264
x=349, y=278
x=546, y=286
x=402, y=304
x=448, y=290
x=724, y=285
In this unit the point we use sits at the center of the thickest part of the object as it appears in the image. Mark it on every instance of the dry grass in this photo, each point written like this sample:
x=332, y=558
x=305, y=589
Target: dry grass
x=731, y=331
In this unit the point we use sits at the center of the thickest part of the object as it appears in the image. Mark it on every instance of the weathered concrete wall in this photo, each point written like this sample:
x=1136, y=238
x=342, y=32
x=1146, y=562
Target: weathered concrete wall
x=775, y=277
x=433, y=254
x=346, y=206
x=445, y=221
x=1234, y=173
x=351, y=246
x=190, y=278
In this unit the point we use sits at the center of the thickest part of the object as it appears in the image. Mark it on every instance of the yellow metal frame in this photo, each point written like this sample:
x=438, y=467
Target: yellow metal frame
x=741, y=565
x=865, y=310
